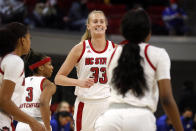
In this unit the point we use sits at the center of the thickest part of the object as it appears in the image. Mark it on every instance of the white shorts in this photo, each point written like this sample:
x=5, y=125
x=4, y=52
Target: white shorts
x=124, y=117
x=87, y=111
x=5, y=122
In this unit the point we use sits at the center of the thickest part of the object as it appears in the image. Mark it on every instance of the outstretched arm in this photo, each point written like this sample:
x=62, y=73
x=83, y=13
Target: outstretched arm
x=168, y=103
x=49, y=89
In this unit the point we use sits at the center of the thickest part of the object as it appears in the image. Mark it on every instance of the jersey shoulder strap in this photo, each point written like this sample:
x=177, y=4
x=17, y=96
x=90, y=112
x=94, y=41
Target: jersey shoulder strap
x=147, y=58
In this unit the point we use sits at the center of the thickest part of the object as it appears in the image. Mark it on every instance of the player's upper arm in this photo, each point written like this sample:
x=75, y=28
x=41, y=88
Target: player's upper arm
x=71, y=59
x=163, y=66
x=13, y=67
x=49, y=89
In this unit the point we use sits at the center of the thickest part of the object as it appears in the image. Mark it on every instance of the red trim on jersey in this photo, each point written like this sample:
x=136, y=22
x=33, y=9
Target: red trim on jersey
x=84, y=46
x=39, y=63
x=124, y=42
x=23, y=82
x=112, y=56
x=41, y=84
x=98, y=51
x=1, y=71
x=22, y=73
x=113, y=45
x=12, y=125
x=79, y=116
x=147, y=58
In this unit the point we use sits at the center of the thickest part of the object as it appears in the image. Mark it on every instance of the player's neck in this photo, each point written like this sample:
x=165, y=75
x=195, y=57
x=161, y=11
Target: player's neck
x=99, y=43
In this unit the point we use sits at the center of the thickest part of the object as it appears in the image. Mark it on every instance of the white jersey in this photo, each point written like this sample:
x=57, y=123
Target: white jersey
x=31, y=97
x=156, y=66
x=12, y=68
x=93, y=64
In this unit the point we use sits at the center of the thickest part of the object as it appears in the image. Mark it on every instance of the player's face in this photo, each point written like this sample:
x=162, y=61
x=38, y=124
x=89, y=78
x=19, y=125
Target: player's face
x=26, y=43
x=97, y=24
x=48, y=69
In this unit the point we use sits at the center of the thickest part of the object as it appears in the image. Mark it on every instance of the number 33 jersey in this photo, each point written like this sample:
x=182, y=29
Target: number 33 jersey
x=31, y=96
x=93, y=64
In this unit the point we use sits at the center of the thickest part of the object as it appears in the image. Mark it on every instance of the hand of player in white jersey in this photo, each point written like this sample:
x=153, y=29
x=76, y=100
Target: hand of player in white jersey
x=86, y=83
x=36, y=126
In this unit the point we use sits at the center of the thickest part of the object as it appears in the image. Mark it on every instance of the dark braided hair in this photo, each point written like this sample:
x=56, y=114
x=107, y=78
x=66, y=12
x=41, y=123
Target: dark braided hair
x=129, y=74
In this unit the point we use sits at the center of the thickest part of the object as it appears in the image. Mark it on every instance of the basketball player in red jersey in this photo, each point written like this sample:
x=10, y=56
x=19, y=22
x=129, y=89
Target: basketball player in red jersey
x=91, y=57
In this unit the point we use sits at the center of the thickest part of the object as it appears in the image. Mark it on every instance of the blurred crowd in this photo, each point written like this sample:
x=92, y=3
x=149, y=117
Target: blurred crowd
x=168, y=18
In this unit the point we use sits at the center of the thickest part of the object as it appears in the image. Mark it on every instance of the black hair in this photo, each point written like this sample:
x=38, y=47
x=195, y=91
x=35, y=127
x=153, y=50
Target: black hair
x=30, y=59
x=19, y=29
x=8, y=41
x=64, y=114
x=129, y=74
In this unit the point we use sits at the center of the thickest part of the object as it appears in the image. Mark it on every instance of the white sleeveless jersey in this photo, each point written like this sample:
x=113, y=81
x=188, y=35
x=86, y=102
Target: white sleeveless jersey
x=156, y=65
x=12, y=68
x=93, y=64
x=31, y=96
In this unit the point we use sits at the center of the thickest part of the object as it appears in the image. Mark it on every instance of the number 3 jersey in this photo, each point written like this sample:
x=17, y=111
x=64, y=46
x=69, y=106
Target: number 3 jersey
x=93, y=64
x=31, y=96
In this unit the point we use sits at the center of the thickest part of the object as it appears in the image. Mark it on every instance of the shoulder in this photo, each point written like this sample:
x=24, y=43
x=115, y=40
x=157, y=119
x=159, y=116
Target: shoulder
x=48, y=84
x=12, y=59
x=153, y=49
x=79, y=47
x=12, y=63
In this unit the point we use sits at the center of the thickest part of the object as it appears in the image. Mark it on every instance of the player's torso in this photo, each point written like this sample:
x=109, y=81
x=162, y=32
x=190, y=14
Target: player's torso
x=93, y=64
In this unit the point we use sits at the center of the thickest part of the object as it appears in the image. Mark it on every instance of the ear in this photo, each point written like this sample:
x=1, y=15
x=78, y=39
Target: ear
x=41, y=68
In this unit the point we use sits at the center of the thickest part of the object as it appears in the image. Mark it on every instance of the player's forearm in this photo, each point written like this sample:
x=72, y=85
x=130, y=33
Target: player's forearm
x=45, y=112
x=10, y=108
x=65, y=81
x=173, y=114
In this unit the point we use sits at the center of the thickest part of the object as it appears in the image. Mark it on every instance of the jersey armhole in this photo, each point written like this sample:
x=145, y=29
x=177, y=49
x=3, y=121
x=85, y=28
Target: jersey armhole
x=84, y=46
x=147, y=58
x=112, y=56
x=113, y=45
x=41, y=84
x=1, y=71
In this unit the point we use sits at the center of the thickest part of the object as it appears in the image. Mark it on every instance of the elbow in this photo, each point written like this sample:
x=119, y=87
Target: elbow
x=56, y=80
x=167, y=101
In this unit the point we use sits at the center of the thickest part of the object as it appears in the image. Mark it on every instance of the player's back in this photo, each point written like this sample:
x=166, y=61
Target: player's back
x=31, y=96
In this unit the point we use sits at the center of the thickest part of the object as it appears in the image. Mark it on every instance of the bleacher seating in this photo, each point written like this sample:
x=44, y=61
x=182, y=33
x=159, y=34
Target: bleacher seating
x=155, y=13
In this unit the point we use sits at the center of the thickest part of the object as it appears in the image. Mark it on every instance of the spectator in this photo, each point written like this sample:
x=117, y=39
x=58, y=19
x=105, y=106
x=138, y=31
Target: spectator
x=164, y=124
x=187, y=120
x=174, y=18
x=77, y=15
x=59, y=119
x=12, y=10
